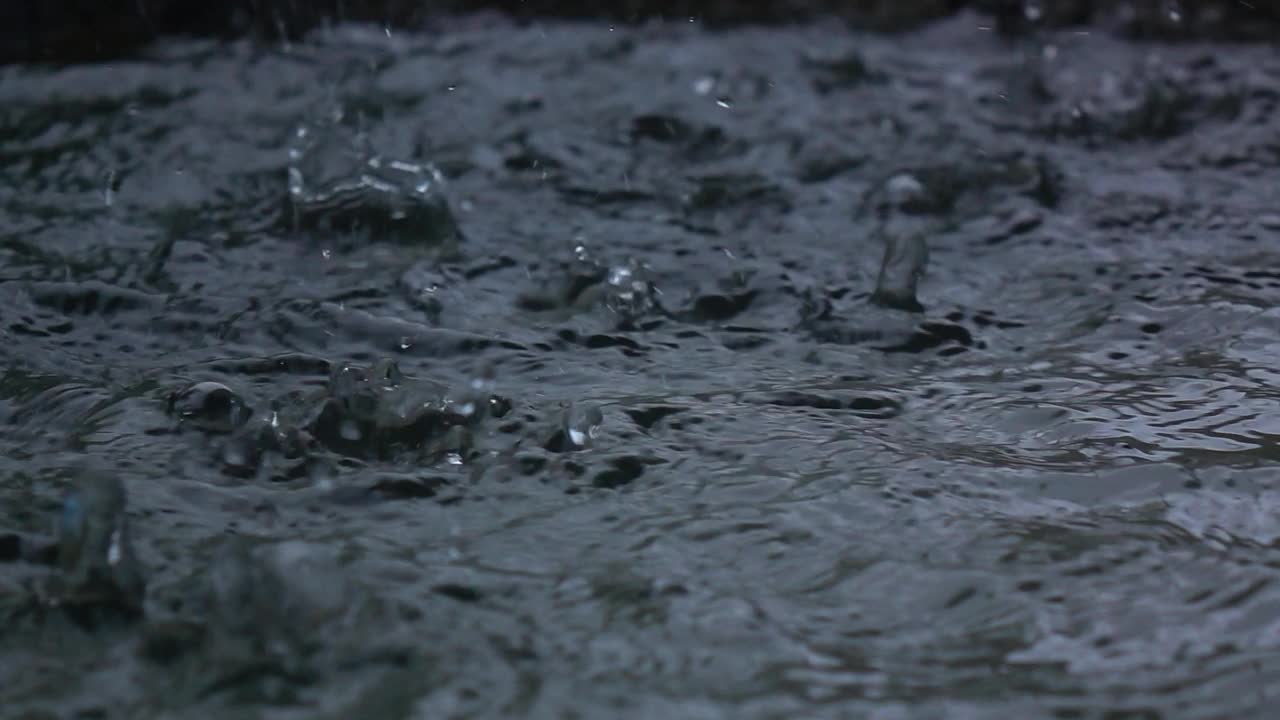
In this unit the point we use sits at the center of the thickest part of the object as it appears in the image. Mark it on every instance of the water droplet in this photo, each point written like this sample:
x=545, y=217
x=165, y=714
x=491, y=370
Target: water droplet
x=108, y=193
x=724, y=102
x=484, y=381
x=113, y=549
x=620, y=276
x=93, y=542
x=406, y=343
x=1032, y=10
x=453, y=458
x=905, y=259
x=350, y=431
x=704, y=85
x=1173, y=11
x=905, y=193
x=582, y=423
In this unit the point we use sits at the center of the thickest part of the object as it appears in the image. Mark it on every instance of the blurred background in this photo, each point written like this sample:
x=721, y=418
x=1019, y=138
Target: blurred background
x=83, y=30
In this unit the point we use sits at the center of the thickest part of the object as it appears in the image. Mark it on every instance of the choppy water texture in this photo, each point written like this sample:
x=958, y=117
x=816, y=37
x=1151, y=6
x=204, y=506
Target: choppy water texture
x=465, y=375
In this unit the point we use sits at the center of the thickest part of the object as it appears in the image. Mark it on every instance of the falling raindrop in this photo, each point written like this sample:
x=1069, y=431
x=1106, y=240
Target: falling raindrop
x=108, y=193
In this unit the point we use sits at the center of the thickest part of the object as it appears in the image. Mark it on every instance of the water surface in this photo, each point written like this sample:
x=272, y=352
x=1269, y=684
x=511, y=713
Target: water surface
x=607, y=472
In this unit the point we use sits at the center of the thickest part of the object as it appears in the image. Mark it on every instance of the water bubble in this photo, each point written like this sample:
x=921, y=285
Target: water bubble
x=704, y=85
x=1173, y=11
x=1033, y=10
x=724, y=102
x=210, y=406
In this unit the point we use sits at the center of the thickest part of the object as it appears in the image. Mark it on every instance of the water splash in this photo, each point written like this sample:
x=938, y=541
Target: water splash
x=339, y=182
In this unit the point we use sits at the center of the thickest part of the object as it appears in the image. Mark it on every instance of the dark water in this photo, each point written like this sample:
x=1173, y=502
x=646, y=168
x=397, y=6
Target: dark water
x=546, y=383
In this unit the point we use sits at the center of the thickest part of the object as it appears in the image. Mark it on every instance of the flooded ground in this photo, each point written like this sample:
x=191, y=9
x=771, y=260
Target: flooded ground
x=537, y=372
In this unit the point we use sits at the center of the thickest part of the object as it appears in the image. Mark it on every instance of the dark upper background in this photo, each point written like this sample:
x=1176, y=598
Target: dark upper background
x=86, y=30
